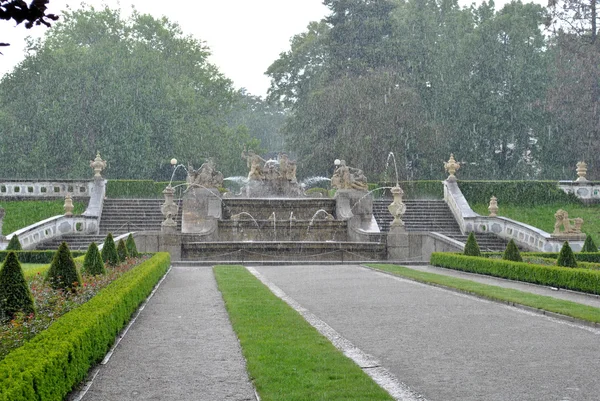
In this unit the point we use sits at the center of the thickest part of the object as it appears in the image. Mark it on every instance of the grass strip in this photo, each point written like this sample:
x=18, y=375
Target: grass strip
x=31, y=269
x=562, y=307
x=22, y=213
x=287, y=358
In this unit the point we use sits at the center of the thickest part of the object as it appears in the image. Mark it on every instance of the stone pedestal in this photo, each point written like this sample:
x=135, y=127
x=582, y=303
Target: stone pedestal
x=398, y=244
x=201, y=212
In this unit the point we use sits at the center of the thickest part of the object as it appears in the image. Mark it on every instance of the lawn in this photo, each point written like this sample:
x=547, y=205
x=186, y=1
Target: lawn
x=542, y=216
x=22, y=213
x=286, y=357
x=31, y=269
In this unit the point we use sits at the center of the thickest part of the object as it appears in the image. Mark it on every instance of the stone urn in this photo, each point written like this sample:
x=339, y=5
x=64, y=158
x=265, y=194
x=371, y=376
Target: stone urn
x=493, y=207
x=451, y=166
x=581, y=171
x=169, y=209
x=397, y=208
x=68, y=205
x=98, y=165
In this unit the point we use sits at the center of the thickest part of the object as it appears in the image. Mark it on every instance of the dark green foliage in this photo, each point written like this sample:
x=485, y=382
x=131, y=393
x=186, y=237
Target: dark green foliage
x=421, y=189
x=78, y=339
x=122, y=251
x=14, y=291
x=576, y=279
x=524, y=193
x=36, y=256
x=14, y=244
x=93, y=263
x=131, y=247
x=109, y=251
x=589, y=245
x=471, y=247
x=63, y=273
x=566, y=257
x=512, y=252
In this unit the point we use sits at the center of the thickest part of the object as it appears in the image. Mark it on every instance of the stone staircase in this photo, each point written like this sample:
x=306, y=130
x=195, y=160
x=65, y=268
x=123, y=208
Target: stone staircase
x=433, y=215
x=119, y=216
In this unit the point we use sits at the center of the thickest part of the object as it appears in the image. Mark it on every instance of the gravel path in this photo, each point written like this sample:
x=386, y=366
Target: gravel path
x=444, y=345
x=181, y=347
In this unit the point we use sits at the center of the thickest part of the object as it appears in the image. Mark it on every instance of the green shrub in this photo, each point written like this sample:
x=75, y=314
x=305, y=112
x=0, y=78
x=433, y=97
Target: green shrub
x=15, y=295
x=471, y=247
x=512, y=252
x=566, y=257
x=39, y=257
x=93, y=263
x=136, y=188
x=317, y=192
x=109, y=251
x=51, y=364
x=131, y=247
x=63, y=273
x=414, y=189
x=122, y=251
x=589, y=245
x=14, y=244
x=524, y=193
x=576, y=279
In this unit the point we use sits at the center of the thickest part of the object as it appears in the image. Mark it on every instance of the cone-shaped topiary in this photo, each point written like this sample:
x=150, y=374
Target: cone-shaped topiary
x=566, y=257
x=588, y=245
x=15, y=295
x=93, y=263
x=63, y=273
x=109, y=251
x=512, y=252
x=14, y=244
x=122, y=251
x=471, y=247
x=131, y=247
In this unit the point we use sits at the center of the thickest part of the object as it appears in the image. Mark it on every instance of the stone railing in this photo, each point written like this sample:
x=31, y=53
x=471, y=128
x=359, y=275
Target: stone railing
x=45, y=189
x=524, y=235
x=587, y=191
x=87, y=223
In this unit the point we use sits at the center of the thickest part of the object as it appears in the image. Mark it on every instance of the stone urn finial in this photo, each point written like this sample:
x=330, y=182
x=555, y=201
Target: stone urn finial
x=397, y=208
x=493, y=208
x=169, y=209
x=451, y=166
x=68, y=205
x=581, y=171
x=98, y=165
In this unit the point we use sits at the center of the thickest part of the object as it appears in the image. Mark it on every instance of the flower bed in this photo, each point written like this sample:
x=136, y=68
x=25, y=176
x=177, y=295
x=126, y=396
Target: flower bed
x=59, y=357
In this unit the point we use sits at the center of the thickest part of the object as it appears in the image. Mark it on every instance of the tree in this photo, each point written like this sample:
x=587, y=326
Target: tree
x=109, y=251
x=15, y=295
x=63, y=273
x=566, y=257
x=131, y=247
x=93, y=263
x=137, y=90
x=14, y=244
x=512, y=252
x=122, y=251
x=471, y=247
x=589, y=245
x=19, y=11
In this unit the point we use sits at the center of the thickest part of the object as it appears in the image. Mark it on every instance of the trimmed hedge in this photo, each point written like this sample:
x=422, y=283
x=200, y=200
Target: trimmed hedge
x=471, y=246
x=414, y=189
x=14, y=244
x=137, y=188
x=577, y=279
x=40, y=257
x=524, y=193
x=590, y=257
x=50, y=365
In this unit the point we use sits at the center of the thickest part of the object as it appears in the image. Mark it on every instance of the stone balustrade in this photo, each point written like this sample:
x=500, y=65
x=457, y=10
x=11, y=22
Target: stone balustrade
x=524, y=235
x=45, y=189
x=587, y=191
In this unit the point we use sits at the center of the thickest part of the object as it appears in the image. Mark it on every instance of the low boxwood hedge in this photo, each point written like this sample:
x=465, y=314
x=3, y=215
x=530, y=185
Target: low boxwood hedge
x=590, y=257
x=577, y=279
x=524, y=193
x=53, y=362
x=37, y=256
x=137, y=188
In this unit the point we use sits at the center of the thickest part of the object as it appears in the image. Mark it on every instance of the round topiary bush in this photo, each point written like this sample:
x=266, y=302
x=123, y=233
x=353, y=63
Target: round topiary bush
x=131, y=247
x=63, y=273
x=93, y=263
x=14, y=244
x=512, y=252
x=589, y=245
x=471, y=247
x=15, y=295
x=109, y=251
x=566, y=257
x=122, y=251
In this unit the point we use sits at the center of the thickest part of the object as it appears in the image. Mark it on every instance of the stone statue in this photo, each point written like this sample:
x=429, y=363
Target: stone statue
x=287, y=168
x=255, y=164
x=562, y=219
x=345, y=177
x=206, y=176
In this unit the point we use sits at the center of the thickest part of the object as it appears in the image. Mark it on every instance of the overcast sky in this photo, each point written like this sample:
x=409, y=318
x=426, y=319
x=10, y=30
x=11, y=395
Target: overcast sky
x=244, y=36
